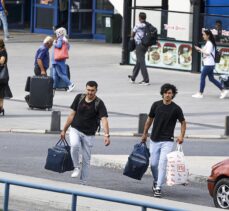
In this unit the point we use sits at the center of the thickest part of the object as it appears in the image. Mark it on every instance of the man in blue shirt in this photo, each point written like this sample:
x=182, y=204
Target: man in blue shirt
x=3, y=14
x=41, y=63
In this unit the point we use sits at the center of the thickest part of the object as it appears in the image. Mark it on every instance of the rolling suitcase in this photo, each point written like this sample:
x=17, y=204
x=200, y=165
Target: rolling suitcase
x=41, y=92
x=61, y=83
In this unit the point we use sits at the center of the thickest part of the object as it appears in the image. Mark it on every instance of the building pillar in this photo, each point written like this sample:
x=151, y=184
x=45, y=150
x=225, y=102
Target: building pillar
x=126, y=30
x=196, y=29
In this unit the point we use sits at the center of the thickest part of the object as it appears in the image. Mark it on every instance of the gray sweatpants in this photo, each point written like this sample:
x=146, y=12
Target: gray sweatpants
x=140, y=64
x=86, y=142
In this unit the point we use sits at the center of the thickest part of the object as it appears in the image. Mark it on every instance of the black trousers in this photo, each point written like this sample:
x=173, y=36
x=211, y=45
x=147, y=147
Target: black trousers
x=140, y=64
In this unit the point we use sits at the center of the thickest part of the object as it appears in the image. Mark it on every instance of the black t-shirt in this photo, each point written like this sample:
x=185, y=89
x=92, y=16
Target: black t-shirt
x=165, y=118
x=87, y=115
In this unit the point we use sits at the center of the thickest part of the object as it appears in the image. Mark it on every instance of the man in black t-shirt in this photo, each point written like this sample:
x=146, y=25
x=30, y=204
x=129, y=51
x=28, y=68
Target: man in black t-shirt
x=164, y=114
x=87, y=111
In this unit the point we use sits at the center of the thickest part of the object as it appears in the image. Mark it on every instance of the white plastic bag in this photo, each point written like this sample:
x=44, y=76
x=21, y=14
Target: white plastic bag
x=177, y=170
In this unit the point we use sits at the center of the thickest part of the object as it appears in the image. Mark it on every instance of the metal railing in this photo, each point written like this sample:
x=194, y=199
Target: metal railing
x=75, y=194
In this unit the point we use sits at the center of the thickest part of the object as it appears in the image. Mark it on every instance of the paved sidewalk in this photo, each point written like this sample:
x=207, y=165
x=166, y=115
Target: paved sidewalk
x=44, y=200
x=100, y=61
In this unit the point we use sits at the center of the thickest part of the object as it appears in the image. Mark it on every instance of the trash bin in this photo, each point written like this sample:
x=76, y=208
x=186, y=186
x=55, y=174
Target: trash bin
x=113, y=28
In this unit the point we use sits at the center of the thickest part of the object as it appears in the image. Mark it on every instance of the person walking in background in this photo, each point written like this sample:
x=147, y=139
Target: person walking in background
x=59, y=66
x=137, y=35
x=3, y=17
x=63, y=15
x=87, y=110
x=208, y=52
x=164, y=115
x=41, y=63
x=5, y=91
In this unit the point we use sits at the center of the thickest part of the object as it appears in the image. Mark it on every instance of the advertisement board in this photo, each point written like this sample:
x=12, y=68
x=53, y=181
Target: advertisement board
x=168, y=54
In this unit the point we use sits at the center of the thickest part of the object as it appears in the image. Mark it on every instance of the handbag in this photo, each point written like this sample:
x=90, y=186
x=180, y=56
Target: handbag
x=131, y=45
x=138, y=162
x=59, y=158
x=4, y=74
x=61, y=53
x=177, y=170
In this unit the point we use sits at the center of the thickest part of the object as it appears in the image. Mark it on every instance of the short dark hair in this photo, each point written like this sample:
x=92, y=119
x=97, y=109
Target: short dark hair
x=142, y=15
x=218, y=21
x=166, y=87
x=92, y=84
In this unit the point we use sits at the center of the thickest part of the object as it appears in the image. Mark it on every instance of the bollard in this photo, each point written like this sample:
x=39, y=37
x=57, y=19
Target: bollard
x=141, y=123
x=227, y=126
x=55, y=121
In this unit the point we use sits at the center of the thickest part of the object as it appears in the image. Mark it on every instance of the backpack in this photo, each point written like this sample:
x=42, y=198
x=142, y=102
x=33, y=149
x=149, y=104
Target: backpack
x=217, y=56
x=97, y=101
x=150, y=35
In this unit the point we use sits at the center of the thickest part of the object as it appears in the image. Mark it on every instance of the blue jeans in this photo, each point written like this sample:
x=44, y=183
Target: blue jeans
x=208, y=71
x=59, y=71
x=158, y=160
x=4, y=23
x=77, y=140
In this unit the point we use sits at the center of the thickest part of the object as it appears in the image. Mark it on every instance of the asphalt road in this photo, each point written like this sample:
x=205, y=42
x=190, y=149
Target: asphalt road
x=26, y=153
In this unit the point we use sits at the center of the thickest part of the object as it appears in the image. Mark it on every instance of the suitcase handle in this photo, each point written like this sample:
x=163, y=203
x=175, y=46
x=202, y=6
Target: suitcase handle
x=62, y=141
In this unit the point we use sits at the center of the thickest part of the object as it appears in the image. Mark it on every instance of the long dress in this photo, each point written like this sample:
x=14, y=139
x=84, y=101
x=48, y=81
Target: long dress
x=5, y=91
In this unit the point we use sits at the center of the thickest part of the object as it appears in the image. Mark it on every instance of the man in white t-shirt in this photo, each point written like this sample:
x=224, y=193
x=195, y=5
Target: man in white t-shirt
x=137, y=35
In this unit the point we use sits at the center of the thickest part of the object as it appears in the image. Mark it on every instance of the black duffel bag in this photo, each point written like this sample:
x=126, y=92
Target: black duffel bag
x=138, y=162
x=131, y=45
x=59, y=157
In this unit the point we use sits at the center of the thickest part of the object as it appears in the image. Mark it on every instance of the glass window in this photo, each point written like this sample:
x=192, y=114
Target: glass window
x=100, y=23
x=104, y=5
x=44, y=23
x=86, y=4
x=45, y=1
x=82, y=22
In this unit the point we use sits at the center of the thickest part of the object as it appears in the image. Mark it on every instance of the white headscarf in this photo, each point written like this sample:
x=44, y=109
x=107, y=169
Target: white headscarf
x=61, y=32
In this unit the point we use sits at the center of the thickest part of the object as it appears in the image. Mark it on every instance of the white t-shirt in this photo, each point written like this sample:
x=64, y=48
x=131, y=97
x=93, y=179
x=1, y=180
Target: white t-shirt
x=139, y=32
x=208, y=60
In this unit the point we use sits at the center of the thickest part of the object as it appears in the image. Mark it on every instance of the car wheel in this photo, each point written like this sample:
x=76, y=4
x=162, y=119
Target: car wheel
x=221, y=193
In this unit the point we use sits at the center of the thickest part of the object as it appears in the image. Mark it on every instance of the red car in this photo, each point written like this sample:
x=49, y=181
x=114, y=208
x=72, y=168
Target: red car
x=218, y=184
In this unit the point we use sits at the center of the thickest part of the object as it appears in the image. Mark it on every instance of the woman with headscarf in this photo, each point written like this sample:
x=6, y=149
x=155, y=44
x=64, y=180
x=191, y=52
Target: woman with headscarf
x=59, y=66
x=5, y=91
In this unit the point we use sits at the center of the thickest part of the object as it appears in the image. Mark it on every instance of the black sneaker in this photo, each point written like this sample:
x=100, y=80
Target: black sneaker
x=154, y=186
x=157, y=192
x=130, y=79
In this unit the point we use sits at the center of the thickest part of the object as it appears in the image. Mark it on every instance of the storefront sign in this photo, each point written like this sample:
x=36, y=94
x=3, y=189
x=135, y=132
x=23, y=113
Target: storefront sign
x=173, y=27
x=172, y=55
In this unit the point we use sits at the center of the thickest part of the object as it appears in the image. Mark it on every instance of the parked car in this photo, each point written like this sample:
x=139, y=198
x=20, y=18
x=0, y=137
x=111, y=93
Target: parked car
x=218, y=184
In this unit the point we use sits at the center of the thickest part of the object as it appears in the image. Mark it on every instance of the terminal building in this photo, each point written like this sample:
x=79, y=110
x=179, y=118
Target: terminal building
x=179, y=25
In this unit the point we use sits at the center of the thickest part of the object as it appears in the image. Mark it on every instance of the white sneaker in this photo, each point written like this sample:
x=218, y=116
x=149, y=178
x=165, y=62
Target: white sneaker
x=71, y=87
x=143, y=83
x=76, y=172
x=198, y=95
x=223, y=94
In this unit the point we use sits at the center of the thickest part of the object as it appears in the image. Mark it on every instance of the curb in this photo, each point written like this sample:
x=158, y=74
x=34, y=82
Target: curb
x=98, y=162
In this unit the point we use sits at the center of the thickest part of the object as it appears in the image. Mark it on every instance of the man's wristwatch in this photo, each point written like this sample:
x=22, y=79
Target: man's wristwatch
x=107, y=135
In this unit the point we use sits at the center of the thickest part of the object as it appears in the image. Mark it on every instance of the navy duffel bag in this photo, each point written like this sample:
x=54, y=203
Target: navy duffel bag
x=59, y=158
x=138, y=162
